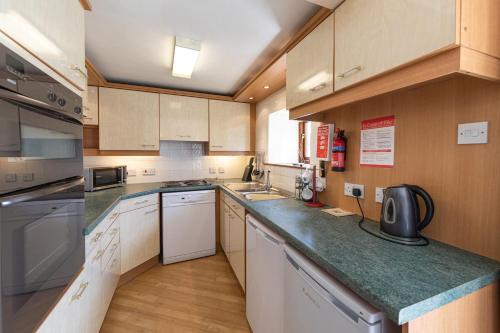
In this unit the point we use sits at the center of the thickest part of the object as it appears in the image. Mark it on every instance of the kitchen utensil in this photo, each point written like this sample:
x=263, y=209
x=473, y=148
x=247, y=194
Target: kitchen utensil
x=315, y=200
x=247, y=174
x=400, y=215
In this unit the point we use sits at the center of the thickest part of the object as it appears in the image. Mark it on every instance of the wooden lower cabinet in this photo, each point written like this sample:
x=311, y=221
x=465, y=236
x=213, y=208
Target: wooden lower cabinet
x=140, y=236
x=224, y=226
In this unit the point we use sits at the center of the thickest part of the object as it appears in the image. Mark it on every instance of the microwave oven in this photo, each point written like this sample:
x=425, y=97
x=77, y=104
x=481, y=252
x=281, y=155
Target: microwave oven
x=100, y=178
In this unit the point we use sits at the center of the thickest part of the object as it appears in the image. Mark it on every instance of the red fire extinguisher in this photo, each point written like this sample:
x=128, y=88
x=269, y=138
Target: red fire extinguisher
x=339, y=151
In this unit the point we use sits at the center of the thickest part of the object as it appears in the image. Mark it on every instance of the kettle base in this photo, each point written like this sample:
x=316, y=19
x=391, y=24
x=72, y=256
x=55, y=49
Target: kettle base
x=402, y=240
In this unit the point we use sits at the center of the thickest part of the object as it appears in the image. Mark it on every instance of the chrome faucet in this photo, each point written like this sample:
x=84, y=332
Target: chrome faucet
x=267, y=181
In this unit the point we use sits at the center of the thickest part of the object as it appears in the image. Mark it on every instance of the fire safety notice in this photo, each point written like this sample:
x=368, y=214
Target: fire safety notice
x=377, y=142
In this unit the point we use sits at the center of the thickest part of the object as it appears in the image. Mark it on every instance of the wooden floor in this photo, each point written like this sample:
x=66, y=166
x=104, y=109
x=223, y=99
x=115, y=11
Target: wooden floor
x=195, y=296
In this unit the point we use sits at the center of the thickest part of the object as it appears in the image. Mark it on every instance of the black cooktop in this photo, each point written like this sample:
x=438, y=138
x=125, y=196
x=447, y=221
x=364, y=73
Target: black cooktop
x=186, y=183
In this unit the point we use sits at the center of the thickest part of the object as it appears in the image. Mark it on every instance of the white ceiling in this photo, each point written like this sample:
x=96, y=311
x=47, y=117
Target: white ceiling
x=132, y=41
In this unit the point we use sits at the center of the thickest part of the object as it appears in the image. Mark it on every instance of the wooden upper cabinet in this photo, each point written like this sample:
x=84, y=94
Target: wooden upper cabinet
x=183, y=118
x=309, y=74
x=375, y=36
x=128, y=120
x=52, y=30
x=229, y=126
x=91, y=106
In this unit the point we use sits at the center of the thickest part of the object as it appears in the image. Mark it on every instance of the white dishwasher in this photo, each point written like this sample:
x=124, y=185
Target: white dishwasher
x=188, y=225
x=317, y=303
x=265, y=261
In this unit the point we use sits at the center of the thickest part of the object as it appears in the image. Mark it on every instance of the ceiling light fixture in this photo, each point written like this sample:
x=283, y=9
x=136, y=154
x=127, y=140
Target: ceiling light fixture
x=186, y=53
x=250, y=97
x=266, y=87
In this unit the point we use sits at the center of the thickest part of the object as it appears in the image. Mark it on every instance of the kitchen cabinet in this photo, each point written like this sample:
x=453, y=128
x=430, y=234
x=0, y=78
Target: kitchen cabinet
x=91, y=106
x=52, y=30
x=229, y=126
x=224, y=226
x=372, y=37
x=128, y=120
x=237, y=247
x=139, y=232
x=183, y=118
x=309, y=74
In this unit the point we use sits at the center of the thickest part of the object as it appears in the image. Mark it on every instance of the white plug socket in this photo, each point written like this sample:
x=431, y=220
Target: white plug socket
x=348, y=187
x=149, y=172
x=379, y=194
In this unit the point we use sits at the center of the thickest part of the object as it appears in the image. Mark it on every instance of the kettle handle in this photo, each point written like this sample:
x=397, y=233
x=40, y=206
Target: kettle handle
x=429, y=206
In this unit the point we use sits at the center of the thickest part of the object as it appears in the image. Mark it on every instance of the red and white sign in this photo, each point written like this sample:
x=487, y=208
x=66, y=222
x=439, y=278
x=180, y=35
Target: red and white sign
x=323, y=143
x=377, y=142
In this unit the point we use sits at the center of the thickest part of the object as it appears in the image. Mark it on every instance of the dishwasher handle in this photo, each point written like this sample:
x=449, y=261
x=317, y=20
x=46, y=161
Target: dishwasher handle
x=322, y=291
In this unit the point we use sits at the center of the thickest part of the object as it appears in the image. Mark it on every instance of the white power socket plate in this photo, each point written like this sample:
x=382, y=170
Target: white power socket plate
x=149, y=172
x=379, y=194
x=348, y=187
x=473, y=133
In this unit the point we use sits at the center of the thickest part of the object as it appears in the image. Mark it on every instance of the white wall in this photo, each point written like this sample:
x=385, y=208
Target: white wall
x=177, y=161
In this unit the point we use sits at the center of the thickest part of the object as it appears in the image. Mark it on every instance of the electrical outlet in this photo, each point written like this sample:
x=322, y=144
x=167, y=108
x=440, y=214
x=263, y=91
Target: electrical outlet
x=149, y=172
x=221, y=170
x=379, y=194
x=473, y=133
x=10, y=178
x=212, y=171
x=348, y=187
x=28, y=177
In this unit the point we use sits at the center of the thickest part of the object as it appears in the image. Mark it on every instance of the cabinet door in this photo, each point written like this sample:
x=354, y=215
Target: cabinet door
x=222, y=227
x=52, y=30
x=309, y=73
x=139, y=236
x=91, y=106
x=183, y=118
x=229, y=126
x=375, y=36
x=237, y=247
x=128, y=120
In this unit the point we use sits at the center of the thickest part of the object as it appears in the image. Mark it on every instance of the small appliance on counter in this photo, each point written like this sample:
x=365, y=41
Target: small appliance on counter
x=247, y=174
x=400, y=220
x=258, y=171
x=100, y=178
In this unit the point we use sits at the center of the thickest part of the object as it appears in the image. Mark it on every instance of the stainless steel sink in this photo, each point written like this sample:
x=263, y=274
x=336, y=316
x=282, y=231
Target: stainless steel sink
x=246, y=187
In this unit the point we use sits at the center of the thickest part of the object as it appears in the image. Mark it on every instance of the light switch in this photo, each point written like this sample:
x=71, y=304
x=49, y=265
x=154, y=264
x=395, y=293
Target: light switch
x=212, y=171
x=473, y=133
x=221, y=170
x=131, y=172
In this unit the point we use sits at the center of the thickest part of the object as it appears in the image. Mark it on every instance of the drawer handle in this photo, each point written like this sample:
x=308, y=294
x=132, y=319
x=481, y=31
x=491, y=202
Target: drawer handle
x=114, y=231
x=151, y=211
x=350, y=72
x=217, y=146
x=144, y=145
x=184, y=136
x=79, y=70
x=96, y=237
x=115, y=246
x=81, y=290
x=114, y=262
x=318, y=87
x=98, y=255
x=114, y=216
x=141, y=202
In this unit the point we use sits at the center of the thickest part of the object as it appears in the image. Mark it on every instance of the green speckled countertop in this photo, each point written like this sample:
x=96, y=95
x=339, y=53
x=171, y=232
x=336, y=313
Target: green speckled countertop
x=402, y=281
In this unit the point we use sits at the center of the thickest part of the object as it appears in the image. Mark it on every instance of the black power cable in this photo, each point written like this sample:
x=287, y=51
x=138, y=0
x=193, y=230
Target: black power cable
x=357, y=194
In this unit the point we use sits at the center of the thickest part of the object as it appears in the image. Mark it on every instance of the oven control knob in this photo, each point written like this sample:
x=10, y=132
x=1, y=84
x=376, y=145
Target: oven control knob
x=61, y=102
x=52, y=97
x=77, y=110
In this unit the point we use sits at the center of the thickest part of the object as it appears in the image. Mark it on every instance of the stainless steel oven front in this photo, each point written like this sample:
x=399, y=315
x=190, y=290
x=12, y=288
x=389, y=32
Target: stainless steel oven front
x=42, y=245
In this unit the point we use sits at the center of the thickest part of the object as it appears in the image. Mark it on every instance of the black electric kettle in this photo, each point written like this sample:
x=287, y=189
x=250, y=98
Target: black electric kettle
x=400, y=216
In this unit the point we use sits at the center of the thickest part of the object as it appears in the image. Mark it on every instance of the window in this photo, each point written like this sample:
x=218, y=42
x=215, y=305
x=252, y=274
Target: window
x=288, y=140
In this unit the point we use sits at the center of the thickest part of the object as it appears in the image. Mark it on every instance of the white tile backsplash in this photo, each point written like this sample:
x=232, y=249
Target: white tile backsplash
x=177, y=161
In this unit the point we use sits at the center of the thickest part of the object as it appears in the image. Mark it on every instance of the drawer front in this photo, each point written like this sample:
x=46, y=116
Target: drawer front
x=110, y=250
x=112, y=232
x=223, y=196
x=188, y=197
x=113, y=264
x=236, y=207
x=95, y=237
x=139, y=202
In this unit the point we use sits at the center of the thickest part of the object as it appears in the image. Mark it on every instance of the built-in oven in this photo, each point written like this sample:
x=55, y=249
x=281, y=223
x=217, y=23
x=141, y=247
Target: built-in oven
x=100, y=178
x=41, y=192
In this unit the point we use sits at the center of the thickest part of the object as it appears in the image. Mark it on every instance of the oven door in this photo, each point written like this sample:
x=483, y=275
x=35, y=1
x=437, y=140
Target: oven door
x=37, y=146
x=42, y=250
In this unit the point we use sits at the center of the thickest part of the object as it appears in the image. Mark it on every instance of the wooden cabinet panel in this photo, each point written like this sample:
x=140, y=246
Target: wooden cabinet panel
x=183, y=118
x=372, y=37
x=309, y=73
x=91, y=106
x=128, y=120
x=237, y=247
x=52, y=30
x=229, y=126
x=224, y=226
x=481, y=26
x=140, y=236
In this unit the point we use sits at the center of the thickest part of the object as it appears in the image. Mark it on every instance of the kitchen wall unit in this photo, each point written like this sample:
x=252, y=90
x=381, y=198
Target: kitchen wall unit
x=51, y=30
x=369, y=61
x=128, y=120
x=232, y=229
x=140, y=231
x=83, y=306
x=309, y=74
x=183, y=118
x=375, y=36
x=91, y=106
x=229, y=126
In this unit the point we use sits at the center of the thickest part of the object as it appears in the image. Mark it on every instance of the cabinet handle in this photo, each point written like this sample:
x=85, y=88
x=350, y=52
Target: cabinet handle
x=217, y=146
x=114, y=216
x=141, y=202
x=98, y=255
x=79, y=70
x=81, y=290
x=114, y=231
x=115, y=261
x=144, y=145
x=349, y=72
x=96, y=237
x=318, y=87
x=115, y=246
x=151, y=211
x=184, y=136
